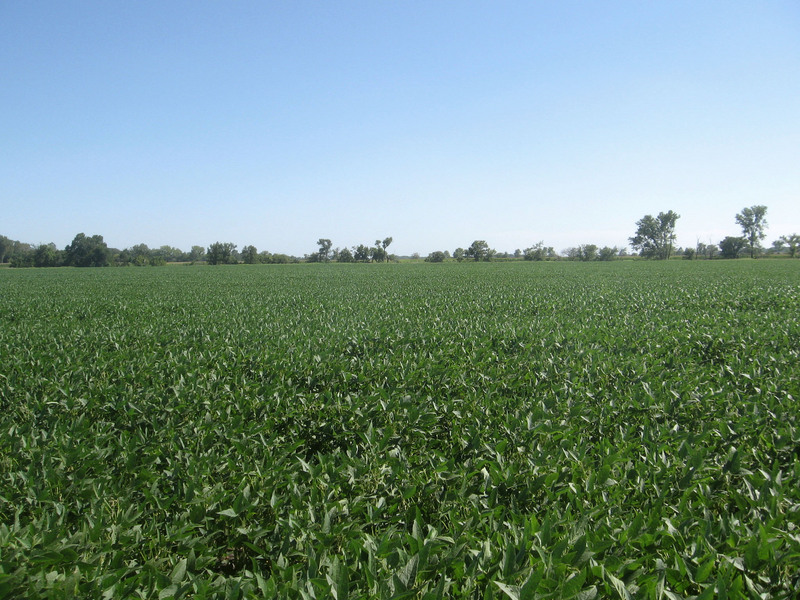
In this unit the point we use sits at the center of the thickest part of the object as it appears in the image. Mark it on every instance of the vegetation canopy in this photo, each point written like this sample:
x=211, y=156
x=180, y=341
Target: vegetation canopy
x=532, y=429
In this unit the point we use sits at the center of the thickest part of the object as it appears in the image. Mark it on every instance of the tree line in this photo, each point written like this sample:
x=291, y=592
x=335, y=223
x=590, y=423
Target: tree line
x=654, y=239
x=92, y=251
x=360, y=253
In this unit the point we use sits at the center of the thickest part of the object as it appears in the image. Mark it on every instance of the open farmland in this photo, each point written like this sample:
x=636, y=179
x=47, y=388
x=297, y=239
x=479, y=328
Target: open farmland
x=522, y=430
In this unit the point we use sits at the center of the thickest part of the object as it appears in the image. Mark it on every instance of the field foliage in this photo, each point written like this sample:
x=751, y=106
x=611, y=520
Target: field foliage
x=525, y=430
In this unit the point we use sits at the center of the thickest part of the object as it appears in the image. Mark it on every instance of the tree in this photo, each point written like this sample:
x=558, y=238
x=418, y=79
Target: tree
x=361, y=253
x=752, y=221
x=385, y=243
x=22, y=259
x=345, y=256
x=731, y=246
x=197, y=253
x=479, y=250
x=377, y=253
x=46, y=255
x=654, y=235
x=607, y=253
x=166, y=254
x=793, y=241
x=458, y=254
x=87, y=252
x=138, y=255
x=282, y=259
x=250, y=255
x=323, y=254
x=588, y=252
x=436, y=256
x=5, y=247
x=535, y=252
x=221, y=253
x=778, y=247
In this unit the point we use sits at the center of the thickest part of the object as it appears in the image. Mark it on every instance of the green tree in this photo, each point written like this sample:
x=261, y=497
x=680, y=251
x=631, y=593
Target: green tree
x=377, y=253
x=5, y=246
x=435, y=257
x=655, y=235
x=282, y=259
x=535, y=252
x=46, y=255
x=250, y=255
x=458, y=254
x=138, y=255
x=479, y=250
x=385, y=244
x=361, y=253
x=345, y=256
x=221, y=253
x=22, y=256
x=197, y=253
x=87, y=251
x=165, y=254
x=588, y=252
x=793, y=241
x=731, y=246
x=607, y=253
x=324, y=252
x=753, y=223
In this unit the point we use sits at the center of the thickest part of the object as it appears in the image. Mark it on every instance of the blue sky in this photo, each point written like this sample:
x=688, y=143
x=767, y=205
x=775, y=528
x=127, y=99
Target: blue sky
x=437, y=123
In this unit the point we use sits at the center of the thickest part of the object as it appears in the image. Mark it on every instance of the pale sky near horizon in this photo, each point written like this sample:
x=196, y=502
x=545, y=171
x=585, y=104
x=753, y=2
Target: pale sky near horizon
x=436, y=123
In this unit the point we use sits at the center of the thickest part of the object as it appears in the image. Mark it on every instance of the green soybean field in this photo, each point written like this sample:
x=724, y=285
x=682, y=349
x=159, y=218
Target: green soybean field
x=460, y=430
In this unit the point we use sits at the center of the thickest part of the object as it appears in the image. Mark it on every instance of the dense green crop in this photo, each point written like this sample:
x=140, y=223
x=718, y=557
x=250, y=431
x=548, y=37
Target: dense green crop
x=522, y=430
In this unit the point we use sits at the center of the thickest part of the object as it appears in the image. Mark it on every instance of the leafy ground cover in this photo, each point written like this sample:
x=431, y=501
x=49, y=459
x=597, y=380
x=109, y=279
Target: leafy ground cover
x=525, y=430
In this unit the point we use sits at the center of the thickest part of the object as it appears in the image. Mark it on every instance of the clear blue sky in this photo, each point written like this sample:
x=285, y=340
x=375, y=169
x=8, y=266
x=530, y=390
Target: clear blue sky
x=437, y=123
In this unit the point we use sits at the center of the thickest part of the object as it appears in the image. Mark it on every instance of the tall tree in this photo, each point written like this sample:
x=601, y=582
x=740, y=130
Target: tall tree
x=386, y=242
x=753, y=223
x=197, y=253
x=479, y=250
x=360, y=253
x=220, y=253
x=654, y=235
x=345, y=256
x=377, y=253
x=5, y=246
x=87, y=251
x=588, y=252
x=793, y=241
x=139, y=255
x=250, y=255
x=323, y=254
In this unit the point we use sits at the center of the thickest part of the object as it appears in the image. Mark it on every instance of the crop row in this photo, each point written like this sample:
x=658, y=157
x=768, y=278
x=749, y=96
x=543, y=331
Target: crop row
x=385, y=431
